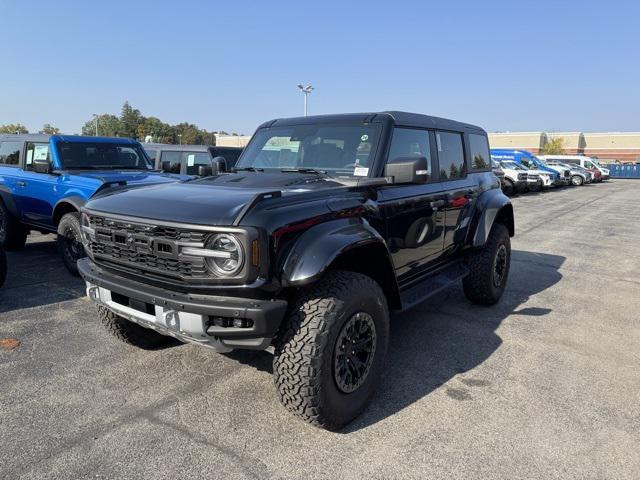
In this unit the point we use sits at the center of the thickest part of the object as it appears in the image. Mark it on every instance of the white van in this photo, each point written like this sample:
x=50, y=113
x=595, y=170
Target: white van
x=585, y=162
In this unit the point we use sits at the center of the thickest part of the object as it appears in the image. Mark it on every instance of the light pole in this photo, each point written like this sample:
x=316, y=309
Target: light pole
x=95, y=116
x=306, y=90
x=180, y=138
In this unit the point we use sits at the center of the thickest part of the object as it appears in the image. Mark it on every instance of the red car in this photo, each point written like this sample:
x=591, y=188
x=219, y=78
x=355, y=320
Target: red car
x=597, y=176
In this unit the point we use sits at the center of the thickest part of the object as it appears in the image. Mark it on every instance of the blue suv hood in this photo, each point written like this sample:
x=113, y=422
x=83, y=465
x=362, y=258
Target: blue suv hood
x=130, y=176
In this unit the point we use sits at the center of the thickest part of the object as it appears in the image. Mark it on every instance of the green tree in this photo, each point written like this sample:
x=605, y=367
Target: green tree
x=13, y=128
x=160, y=131
x=49, y=129
x=130, y=118
x=108, y=126
x=555, y=146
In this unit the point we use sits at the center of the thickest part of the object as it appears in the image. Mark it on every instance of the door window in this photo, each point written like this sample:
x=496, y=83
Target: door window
x=194, y=160
x=479, y=152
x=36, y=151
x=409, y=142
x=450, y=155
x=170, y=161
x=10, y=153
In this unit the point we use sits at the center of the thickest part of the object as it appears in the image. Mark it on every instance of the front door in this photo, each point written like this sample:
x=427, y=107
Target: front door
x=37, y=191
x=414, y=214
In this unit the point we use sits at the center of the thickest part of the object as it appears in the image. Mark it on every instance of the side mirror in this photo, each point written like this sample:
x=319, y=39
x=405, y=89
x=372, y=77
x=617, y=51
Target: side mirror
x=166, y=166
x=408, y=170
x=204, y=171
x=220, y=164
x=41, y=166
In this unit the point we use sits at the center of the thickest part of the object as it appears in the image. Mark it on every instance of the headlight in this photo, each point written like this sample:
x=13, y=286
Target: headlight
x=225, y=256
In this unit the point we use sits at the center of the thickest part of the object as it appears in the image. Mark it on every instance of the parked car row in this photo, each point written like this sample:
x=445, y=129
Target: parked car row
x=521, y=171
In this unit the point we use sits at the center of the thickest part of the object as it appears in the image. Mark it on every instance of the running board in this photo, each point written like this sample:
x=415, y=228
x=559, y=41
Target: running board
x=432, y=285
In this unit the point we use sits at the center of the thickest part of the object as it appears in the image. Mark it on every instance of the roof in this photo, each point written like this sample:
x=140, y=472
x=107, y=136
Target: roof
x=40, y=137
x=177, y=148
x=398, y=118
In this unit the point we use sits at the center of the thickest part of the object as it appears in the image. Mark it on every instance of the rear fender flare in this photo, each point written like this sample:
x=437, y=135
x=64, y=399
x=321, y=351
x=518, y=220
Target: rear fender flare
x=492, y=204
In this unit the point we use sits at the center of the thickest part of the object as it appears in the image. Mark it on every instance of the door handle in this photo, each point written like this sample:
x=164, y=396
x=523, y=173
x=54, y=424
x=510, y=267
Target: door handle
x=22, y=184
x=437, y=203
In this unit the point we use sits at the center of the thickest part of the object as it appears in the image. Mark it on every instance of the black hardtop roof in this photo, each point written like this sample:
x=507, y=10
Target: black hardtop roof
x=174, y=147
x=404, y=119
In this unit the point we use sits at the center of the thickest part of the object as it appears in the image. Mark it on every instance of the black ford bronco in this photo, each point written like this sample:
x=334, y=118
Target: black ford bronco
x=325, y=225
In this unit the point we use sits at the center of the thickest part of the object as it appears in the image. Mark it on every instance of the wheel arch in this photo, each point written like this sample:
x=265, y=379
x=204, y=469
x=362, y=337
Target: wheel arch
x=7, y=199
x=493, y=207
x=346, y=244
x=67, y=205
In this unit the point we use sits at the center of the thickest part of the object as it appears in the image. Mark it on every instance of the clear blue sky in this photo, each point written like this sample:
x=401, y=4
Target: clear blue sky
x=231, y=65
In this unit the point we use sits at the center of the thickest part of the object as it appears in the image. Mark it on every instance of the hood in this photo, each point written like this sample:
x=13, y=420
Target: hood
x=132, y=177
x=207, y=201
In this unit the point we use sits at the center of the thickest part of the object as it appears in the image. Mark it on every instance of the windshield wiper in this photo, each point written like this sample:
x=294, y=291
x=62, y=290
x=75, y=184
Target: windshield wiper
x=305, y=170
x=248, y=169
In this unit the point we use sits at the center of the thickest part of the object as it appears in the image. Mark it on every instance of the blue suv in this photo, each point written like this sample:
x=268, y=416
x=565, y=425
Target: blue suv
x=46, y=179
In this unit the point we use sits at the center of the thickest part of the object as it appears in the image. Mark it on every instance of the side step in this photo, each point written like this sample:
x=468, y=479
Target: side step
x=432, y=285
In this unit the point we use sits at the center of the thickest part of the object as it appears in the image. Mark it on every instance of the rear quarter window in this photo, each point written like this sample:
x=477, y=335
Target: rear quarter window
x=479, y=149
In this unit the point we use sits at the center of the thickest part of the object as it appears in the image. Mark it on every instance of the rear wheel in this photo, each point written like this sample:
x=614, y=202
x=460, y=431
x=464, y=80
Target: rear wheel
x=489, y=268
x=330, y=354
x=70, y=241
x=132, y=333
x=13, y=235
x=577, y=180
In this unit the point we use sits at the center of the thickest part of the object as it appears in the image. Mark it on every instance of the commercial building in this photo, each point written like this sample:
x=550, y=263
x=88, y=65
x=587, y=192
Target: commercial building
x=623, y=147
x=232, y=140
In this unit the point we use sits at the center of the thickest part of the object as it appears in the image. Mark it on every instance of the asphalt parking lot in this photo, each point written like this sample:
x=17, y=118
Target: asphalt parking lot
x=546, y=384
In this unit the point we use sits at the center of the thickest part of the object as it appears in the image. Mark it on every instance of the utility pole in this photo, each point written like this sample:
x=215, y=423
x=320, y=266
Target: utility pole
x=306, y=90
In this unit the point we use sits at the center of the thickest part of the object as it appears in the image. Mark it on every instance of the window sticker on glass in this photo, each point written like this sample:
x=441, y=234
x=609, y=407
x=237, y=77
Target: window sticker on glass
x=361, y=171
x=41, y=152
x=191, y=160
x=29, y=157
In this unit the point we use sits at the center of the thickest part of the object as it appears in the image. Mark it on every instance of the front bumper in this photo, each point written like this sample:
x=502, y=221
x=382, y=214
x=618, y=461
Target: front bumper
x=520, y=186
x=205, y=320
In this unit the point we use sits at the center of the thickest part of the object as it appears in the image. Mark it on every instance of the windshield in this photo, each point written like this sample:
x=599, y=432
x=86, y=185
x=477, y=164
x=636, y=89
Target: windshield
x=511, y=164
x=341, y=150
x=101, y=156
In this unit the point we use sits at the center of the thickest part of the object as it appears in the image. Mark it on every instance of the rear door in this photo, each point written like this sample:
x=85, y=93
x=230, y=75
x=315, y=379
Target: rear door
x=414, y=214
x=10, y=173
x=461, y=187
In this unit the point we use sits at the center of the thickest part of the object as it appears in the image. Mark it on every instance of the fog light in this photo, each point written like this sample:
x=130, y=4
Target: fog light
x=242, y=323
x=94, y=293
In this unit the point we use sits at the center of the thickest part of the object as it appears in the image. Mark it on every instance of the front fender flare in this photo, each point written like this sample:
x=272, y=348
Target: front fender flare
x=490, y=205
x=318, y=247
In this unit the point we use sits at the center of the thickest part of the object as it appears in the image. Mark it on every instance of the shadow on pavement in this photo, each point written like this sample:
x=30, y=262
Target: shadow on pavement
x=446, y=336
x=36, y=276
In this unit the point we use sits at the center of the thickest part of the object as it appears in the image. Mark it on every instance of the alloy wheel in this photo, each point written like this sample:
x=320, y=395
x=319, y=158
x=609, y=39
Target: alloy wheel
x=354, y=352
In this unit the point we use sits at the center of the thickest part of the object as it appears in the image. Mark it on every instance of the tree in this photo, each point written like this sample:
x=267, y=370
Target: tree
x=555, y=146
x=130, y=119
x=13, y=128
x=108, y=126
x=49, y=129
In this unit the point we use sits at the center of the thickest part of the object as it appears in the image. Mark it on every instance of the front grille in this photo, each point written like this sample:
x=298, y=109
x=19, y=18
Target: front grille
x=534, y=176
x=147, y=247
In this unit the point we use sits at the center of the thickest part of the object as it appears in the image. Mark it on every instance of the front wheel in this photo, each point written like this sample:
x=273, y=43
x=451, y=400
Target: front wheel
x=577, y=180
x=70, y=241
x=509, y=188
x=489, y=268
x=329, y=355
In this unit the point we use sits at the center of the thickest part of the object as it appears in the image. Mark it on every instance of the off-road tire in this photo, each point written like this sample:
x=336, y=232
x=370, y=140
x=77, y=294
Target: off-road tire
x=479, y=286
x=69, y=241
x=3, y=266
x=13, y=235
x=509, y=188
x=303, y=363
x=577, y=181
x=132, y=333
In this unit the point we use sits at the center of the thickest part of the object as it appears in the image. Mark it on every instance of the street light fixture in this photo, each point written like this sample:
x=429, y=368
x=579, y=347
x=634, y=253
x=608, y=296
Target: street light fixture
x=95, y=116
x=306, y=90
